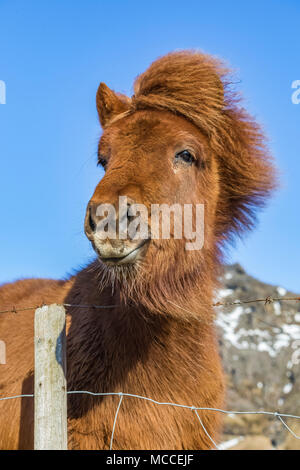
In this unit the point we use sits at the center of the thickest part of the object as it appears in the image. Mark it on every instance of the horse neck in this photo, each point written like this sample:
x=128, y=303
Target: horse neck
x=149, y=311
x=112, y=346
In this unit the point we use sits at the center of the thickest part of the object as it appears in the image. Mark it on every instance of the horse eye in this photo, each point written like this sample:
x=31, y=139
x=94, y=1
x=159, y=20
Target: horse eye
x=185, y=156
x=102, y=161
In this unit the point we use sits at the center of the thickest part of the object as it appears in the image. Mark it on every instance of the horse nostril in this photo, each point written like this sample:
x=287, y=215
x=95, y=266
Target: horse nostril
x=91, y=221
x=130, y=215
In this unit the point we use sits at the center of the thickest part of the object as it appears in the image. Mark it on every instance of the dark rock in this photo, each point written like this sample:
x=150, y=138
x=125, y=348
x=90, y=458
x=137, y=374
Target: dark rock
x=260, y=349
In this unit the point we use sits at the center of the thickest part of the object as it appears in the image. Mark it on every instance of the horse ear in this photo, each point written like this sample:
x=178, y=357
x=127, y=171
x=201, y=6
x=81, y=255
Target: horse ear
x=110, y=104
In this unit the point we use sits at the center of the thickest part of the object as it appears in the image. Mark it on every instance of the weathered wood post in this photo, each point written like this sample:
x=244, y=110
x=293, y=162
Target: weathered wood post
x=50, y=387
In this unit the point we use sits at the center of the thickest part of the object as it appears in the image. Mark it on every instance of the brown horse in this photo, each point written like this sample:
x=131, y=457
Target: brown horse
x=182, y=138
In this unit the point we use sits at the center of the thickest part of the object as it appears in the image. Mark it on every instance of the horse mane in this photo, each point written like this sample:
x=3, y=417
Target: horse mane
x=200, y=88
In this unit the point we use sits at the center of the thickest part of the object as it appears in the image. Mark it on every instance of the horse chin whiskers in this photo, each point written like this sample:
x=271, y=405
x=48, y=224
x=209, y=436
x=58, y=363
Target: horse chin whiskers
x=123, y=277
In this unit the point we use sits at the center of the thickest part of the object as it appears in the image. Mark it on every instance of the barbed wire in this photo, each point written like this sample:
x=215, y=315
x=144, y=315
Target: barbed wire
x=267, y=300
x=194, y=409
x=15, y=309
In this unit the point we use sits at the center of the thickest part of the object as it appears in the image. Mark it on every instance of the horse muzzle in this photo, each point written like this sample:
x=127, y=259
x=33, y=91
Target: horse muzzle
x=111, y=239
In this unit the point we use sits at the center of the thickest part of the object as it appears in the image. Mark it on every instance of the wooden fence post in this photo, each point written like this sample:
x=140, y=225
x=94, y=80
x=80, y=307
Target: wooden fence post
x=50, y=387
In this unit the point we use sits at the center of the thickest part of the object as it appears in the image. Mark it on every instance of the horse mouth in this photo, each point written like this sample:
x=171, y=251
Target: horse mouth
x=130, y=258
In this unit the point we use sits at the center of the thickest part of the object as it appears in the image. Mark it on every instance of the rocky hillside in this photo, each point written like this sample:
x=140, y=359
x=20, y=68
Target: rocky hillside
x=260, y=348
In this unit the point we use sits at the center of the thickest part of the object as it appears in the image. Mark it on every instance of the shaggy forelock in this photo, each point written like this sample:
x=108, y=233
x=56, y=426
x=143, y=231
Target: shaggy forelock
x=200, y=88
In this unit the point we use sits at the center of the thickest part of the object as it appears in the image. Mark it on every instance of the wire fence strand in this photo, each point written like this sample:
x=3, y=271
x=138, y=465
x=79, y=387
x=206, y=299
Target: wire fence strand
x=194, y=409
x=204, y=429
x=266, y=300
x=115, y=420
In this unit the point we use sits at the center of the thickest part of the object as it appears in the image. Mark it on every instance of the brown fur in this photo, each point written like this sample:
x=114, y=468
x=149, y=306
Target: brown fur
x=160, y=341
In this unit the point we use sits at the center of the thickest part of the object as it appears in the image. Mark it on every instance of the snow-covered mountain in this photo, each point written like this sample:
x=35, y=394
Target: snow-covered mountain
x=260, y=348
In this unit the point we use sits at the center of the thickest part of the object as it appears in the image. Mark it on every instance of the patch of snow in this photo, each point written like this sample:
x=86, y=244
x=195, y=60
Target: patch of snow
x=259, y=385
x=231, y=443
x=277, y=308
x=297, y=317
x=228, y=276
x=248, y=310
x=225, y=292
x=267, y=348
x=228, y=322
x=281, y=291
x=292, y=330
x=254, y=332
x=287, y=388
x=281, y=341
x=258, y=339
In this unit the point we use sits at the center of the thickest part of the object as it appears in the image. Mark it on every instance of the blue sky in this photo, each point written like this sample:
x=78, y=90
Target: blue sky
x=53, y=54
